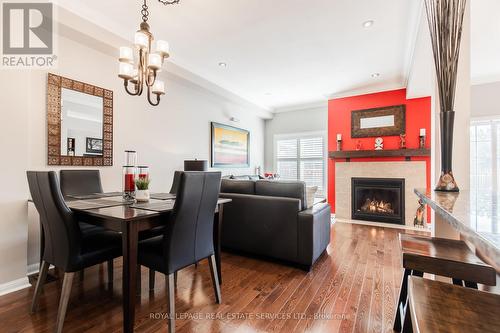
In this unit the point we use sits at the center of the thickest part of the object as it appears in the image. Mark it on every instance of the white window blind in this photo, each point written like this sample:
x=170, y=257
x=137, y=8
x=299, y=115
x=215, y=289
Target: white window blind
x=484, y=154
x=484, y=172
x=302, y=158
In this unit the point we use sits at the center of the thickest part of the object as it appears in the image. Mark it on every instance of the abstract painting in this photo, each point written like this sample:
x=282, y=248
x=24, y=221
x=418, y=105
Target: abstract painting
x=230, y=146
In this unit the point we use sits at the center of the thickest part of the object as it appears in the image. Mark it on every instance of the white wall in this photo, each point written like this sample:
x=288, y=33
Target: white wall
x=485, y=100
x=164, y=136
x=308, y=120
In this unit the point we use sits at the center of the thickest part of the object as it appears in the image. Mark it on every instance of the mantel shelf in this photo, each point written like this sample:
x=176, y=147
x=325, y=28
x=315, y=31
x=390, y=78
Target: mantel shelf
x=407, y=153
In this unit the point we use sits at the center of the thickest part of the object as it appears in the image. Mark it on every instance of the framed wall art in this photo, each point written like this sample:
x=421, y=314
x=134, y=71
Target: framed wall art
x=230, y=146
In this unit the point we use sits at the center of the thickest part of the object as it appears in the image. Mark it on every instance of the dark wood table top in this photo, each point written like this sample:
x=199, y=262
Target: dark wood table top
x=118, y=209
x=442, y=307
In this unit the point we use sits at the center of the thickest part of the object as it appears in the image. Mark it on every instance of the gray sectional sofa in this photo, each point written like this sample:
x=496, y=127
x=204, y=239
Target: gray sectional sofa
x=271, y=219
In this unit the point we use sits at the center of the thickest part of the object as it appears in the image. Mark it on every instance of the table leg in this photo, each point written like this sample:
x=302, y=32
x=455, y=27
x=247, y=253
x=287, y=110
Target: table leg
x=129, y=247
x=217, y=232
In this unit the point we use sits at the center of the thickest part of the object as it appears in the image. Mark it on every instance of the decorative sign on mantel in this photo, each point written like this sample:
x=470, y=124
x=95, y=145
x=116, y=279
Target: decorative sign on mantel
x=385, y=121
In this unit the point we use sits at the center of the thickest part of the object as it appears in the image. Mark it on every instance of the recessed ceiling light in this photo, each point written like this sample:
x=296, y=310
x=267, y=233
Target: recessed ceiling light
x=223, y=64
x=375, y=75
x=268, y=94
x=368, y=23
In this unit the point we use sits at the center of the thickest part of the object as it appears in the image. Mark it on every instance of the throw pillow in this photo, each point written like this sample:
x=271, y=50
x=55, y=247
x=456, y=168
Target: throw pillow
x=310, y=195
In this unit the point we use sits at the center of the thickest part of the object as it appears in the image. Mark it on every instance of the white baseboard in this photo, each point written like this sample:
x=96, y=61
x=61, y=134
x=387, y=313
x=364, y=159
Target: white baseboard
x=15, y=285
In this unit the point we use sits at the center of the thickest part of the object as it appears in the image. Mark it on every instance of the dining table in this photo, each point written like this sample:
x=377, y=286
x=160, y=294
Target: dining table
x=113, y=212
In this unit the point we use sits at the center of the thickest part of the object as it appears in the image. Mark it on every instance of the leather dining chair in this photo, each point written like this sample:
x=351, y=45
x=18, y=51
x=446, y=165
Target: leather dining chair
x=67, y=247
x=80, y=182
x=175, y=182
x=188, y=235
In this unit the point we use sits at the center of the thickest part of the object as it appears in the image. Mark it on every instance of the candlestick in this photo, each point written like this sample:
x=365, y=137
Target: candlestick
x=422, y=141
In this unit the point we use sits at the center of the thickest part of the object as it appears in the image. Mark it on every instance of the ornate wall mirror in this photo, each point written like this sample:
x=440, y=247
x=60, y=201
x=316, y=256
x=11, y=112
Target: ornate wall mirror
x=385, y=121
x=79, y=123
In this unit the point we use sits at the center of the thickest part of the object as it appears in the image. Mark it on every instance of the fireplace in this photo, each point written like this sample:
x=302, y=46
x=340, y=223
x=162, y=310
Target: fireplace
x=378, y=199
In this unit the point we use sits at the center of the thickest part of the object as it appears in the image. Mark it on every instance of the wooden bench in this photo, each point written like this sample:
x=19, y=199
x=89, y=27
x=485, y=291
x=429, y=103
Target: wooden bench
x=439, y=256
x=441, y=307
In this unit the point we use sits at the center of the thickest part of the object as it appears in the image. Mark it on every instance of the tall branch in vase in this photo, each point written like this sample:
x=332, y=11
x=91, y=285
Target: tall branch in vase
x=445, y=18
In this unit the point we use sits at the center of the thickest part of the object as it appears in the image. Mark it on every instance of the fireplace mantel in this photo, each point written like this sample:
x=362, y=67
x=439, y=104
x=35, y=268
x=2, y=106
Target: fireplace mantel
x=407, y=153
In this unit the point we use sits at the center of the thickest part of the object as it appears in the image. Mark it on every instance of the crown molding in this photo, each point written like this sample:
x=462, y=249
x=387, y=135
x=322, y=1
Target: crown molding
x=367, y=91
x=319, y=104
x=485, y=79
x=411, y=49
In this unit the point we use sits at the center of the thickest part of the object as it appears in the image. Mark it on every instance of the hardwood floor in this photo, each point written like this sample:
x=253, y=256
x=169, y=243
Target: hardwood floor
x=352, y=288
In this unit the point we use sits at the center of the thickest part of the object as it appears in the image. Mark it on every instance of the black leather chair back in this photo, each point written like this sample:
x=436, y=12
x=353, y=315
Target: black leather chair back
x=61, y=230
x=175, y=182
x=189, y=235
x=80, y=182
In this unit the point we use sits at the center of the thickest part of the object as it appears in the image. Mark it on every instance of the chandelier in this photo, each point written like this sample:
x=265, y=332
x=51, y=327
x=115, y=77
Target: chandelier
x=149, y=55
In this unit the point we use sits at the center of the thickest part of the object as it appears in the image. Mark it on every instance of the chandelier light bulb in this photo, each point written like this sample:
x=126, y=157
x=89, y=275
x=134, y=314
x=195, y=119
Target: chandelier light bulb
x=154, y=61
x=162, y=47
x=158, y=87
x=141, y=40
x=126, y=54
x=126, y=71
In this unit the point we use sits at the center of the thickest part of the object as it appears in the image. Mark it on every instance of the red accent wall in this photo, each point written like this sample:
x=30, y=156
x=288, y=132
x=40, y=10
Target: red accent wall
x=418, y=115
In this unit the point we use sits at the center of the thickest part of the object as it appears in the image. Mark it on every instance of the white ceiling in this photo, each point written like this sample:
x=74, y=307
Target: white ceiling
x=485, y=41
x=280, y=53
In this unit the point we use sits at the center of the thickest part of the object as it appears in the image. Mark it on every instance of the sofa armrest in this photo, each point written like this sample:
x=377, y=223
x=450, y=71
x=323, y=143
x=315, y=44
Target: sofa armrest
x=313, y=233
x=261, y=225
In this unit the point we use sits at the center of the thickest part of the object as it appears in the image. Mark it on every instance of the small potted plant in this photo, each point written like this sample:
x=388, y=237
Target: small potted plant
x=142, y=193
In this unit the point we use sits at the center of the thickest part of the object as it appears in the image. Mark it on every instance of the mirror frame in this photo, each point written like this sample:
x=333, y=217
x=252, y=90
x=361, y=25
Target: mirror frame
x=54, y=85
x=398, y=111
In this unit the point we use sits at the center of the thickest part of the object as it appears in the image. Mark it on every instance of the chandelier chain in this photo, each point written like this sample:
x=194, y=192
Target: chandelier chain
x=145, y=12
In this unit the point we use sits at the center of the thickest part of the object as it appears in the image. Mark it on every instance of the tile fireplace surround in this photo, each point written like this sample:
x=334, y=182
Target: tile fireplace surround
x=414, y=173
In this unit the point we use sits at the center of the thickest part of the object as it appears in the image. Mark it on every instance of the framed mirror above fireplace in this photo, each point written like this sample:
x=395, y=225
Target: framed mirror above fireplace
x=378, y=199
x=79, y=123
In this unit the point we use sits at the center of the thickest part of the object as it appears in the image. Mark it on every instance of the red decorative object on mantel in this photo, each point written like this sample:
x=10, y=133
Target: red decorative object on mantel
x=402, y=141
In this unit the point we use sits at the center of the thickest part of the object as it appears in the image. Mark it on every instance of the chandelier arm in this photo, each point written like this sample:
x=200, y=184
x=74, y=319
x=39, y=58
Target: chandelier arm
x=150, y=83
x=136, y=93
x=149, y=98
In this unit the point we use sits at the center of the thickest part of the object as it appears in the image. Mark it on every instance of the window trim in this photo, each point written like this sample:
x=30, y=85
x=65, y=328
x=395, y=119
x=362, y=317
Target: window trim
x=304, y=135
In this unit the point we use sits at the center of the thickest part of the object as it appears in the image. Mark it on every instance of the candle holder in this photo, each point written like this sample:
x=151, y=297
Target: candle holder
x=339, y=145
x=422, y=141
x=129, y=173
x=143, y=172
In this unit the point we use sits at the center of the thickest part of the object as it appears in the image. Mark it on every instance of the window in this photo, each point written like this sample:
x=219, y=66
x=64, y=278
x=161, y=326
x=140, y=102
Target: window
x=484, y=161
x=302, y=157
x=484, y=135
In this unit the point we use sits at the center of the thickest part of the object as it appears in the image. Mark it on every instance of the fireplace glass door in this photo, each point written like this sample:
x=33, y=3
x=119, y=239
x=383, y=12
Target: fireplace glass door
x=378, y=200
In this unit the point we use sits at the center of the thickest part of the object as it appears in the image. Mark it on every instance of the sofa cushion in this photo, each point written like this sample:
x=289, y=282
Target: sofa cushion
x=237, y=186
x=287, y=189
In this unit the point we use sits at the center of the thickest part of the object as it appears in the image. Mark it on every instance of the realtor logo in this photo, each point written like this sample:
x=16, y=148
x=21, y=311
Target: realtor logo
x=27, y=39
